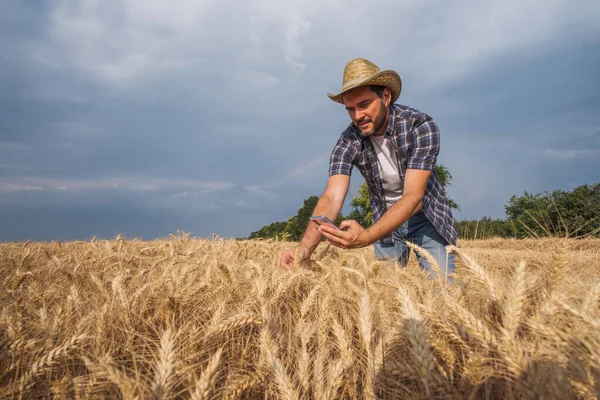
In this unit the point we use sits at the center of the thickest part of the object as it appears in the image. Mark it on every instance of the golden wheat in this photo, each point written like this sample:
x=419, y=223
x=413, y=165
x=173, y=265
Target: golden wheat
x=191, y=318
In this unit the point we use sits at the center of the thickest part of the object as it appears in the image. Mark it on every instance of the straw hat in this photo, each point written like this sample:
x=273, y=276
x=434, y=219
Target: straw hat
x=361, y=72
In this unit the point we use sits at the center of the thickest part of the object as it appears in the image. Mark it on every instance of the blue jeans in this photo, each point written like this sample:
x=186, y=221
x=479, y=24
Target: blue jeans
x=420, y=231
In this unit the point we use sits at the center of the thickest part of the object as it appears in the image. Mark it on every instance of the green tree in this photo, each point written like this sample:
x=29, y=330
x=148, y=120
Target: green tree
x=445, y=179
x=361, y=207
x=528, y=215
x=269, y=231
x=559, y=213
x=296, y=225
x=578, y=212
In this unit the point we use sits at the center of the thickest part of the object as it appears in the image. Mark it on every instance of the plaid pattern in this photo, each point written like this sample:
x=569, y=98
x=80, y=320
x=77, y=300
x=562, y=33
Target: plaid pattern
x=416, y=138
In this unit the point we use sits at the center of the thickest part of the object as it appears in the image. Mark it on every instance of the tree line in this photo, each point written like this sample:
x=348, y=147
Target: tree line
x=573, y=213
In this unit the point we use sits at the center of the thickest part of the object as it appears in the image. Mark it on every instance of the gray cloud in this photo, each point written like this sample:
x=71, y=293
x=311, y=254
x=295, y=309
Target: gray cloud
x=144, y=106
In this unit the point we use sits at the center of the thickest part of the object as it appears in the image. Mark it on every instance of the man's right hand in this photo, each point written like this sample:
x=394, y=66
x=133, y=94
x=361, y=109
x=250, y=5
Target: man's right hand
x=288, y=257
x=330, y=204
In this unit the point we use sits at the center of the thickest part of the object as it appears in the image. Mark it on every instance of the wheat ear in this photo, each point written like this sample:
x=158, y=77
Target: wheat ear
x=49, y=360
x=559, y=265
x=104, y=369
x=321, y=356
x=226, y=274
x=590, y=302
x=322, y=351
x=583, y=314
x=283, y=287
x=515, y=302
x=246, y=382
x=427, y=255
x=165, y=365
x=233, y=323
x=474, y=326
x=308, y=302
x=517, y=363
x=343, y=344
x=365, y=319
x=417, y=336
x=477, y=270
x=336, y=378
x=305, y=332
x=284, y=382
x=207, y=378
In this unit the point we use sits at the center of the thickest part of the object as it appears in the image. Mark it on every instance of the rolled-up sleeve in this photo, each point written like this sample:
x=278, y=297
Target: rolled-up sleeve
x=340, y=162
x=426, y=147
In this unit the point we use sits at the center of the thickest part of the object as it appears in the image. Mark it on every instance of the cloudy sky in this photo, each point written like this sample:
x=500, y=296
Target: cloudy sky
x=143, y=117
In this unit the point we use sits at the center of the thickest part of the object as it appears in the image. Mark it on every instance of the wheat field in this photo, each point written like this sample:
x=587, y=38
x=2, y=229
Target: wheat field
x=207, y=319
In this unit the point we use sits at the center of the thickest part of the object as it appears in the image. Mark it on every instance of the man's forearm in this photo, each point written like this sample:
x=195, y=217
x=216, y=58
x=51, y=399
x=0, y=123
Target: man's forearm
x=327, y=207
x=400, y=212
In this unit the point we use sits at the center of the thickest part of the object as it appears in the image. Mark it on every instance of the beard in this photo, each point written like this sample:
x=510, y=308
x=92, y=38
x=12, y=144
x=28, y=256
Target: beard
x=377, y=123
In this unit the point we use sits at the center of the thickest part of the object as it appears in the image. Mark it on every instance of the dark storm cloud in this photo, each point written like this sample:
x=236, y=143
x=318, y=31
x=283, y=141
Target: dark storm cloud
x=142, y=118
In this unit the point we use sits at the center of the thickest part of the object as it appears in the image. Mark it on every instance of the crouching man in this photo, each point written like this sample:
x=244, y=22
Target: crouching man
x=395, y=148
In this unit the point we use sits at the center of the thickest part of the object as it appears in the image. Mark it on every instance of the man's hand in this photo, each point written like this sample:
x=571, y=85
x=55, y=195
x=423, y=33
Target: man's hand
x=356, y=236
x=289, y=256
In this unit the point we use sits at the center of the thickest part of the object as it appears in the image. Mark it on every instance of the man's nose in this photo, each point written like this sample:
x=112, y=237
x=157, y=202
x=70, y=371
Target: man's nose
x=358, y=115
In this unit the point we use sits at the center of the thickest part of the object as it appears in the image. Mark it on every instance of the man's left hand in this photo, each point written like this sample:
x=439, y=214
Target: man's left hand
x=355, y=237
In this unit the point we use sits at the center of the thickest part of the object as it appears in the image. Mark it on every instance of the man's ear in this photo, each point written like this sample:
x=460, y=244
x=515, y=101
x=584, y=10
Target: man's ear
x=387, y=96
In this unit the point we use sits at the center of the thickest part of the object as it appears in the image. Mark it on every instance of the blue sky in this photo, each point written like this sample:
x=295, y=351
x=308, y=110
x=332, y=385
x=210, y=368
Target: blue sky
x=143, y=117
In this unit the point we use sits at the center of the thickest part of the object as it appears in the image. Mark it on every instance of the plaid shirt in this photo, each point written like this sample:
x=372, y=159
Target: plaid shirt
x=416, y=138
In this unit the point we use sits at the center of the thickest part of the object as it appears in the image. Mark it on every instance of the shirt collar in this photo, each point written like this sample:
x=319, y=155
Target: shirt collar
x=391, y=119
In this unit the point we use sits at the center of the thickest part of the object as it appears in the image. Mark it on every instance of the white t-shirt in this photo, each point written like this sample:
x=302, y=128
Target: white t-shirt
x=393, y=186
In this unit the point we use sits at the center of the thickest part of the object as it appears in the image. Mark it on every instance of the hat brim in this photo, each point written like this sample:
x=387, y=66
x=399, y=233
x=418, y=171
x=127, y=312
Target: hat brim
x=389, y=79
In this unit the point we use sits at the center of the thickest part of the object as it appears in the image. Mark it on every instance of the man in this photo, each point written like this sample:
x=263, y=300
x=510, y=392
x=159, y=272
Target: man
x=395, y=148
